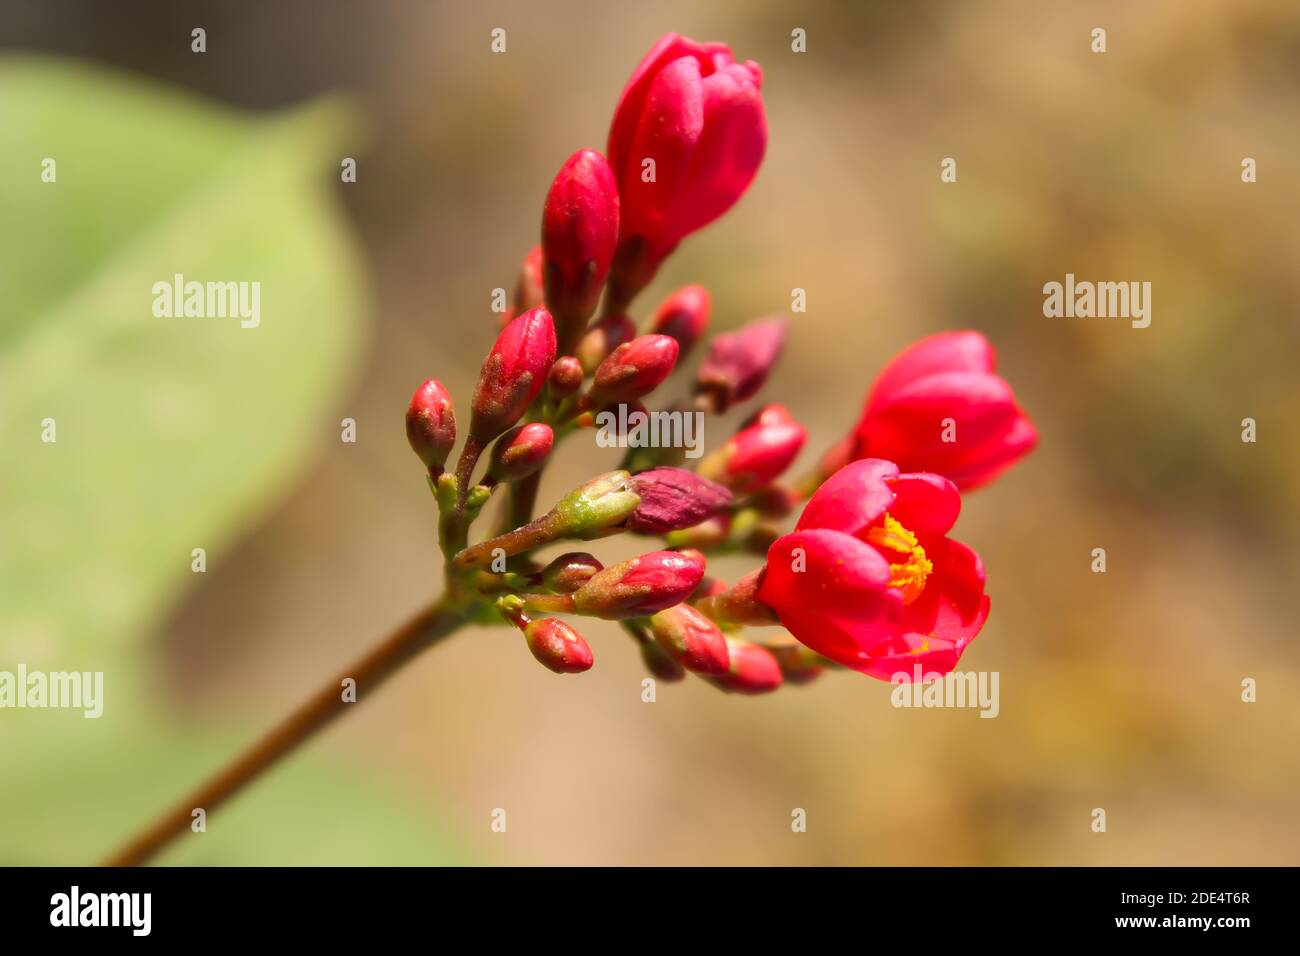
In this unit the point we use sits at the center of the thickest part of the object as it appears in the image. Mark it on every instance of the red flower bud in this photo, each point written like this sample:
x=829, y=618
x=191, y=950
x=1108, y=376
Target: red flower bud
x=431, y=424
x=520, y=452
x=753, y=669
x=939, y=407
x=602, y=338
x=579, y=230
x=558, y=646
x=570, y=571
x=633, y=369
x=528, y=288
x=565, y=377
x=687, y=138
x=513, y=373
x=673, y=498
x=660, y=664
x=684, y=315
x=692, y=639
x=739, y=362
x=641, y=586
x=756, y=454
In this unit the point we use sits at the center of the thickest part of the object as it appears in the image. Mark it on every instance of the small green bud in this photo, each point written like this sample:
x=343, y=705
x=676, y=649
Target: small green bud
x=597, y=507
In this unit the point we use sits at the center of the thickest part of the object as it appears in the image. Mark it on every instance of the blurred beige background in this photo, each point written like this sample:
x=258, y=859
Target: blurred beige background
x=1119, y=691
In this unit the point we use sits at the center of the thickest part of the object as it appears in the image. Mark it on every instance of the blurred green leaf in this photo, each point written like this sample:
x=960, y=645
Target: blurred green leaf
x=172, y=433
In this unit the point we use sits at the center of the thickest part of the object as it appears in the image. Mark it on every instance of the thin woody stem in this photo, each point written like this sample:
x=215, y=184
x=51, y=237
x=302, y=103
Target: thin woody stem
x=423, y=631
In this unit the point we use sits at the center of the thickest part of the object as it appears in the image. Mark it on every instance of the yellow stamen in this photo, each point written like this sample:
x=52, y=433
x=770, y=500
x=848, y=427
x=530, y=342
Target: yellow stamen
x=908, y=575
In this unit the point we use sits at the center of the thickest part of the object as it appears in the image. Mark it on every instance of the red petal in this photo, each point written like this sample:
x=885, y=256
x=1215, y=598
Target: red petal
x=852, y=498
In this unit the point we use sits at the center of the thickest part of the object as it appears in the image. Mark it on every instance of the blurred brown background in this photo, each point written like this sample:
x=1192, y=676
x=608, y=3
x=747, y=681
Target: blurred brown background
x=1119, y=691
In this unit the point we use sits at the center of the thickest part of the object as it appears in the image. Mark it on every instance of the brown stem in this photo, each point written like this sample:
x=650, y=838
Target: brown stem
x=536, y=533
x=422, y=631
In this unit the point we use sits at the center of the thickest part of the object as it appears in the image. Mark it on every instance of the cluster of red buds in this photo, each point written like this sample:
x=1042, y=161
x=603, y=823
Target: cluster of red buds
x=868, y=579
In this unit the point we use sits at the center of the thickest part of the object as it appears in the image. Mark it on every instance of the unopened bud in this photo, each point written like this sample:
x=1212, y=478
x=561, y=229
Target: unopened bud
x=595, y=508
x=602, y=338
x=753, y=669
x=520, y=452
x=692, y=639
x=528, y=289
x=513, y=373
x=570, y=571
x=633, y=370
x=684, y=315
x=558, y=646
x=579, y=229
x=431, y=424
x=660, y=664
x=640, y=587
x=565, y=377
x=799, y=664
x=739, y=362
x=762, y=449
x=674, y=498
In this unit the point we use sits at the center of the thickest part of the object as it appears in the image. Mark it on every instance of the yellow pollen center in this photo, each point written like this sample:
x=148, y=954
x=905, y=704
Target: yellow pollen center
x=908, y=574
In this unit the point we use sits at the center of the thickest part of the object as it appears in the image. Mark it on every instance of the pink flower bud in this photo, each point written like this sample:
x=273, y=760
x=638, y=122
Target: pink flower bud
x=520, y=452
x=641, y=586
x=633, y=369
x=431, y=424
x=739, y=362
x=673, y=498
x=602, y=338
x=513, y=373
x=558, y=646
x=570, y=571
x=692, y=116
x=684, y=315
x=579, y=229
x=753, y=669
x=565, y=377
x=756, y=454
x=691, y=639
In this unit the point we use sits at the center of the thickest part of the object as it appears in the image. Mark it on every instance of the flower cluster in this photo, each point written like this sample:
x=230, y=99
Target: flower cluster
x=868, y=579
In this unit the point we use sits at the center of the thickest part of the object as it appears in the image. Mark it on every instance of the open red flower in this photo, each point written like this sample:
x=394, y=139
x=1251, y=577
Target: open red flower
x=937, y=406
x=868, y=577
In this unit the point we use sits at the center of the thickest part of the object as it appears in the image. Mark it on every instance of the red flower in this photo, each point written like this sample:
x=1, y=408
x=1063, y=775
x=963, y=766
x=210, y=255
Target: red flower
x=579, y=229
x=938, y=407
x=698, y=114
x=868, y=577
